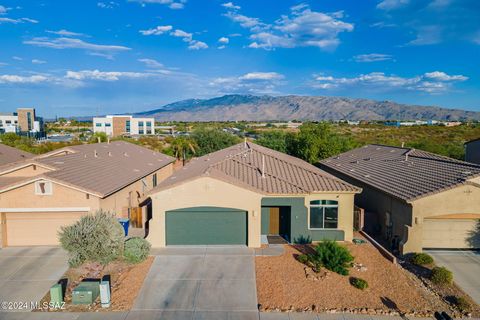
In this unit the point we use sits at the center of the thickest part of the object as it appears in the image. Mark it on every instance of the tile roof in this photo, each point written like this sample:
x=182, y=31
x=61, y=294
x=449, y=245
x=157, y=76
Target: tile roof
x=102, y=168
x=242, y=165
x=9, y=154
x=407, y=174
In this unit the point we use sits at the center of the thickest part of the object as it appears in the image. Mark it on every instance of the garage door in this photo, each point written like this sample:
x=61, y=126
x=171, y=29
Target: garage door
x=206, y=225
x=37, y=228
x=451, y=233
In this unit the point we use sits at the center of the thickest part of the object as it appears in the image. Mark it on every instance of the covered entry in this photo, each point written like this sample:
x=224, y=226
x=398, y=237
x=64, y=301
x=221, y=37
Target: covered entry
x=206, y=226
x=276, y=223
x=451, y=233
x=35, y=228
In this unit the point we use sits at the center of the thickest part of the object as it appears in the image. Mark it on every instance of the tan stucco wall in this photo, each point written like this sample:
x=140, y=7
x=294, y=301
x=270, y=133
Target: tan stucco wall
x=461, y=200
x=345, y=210
x=119, y=201
x=205, y=191
x=29, y=171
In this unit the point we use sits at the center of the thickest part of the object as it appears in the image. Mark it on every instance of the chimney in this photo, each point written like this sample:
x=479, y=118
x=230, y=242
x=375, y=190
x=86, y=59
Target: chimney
x=263, y=166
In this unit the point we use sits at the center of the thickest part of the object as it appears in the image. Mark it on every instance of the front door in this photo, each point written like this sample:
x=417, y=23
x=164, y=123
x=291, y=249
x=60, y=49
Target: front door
x=274, y=221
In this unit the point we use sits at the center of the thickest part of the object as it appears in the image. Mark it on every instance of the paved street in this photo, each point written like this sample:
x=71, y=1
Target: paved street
x=465, y=266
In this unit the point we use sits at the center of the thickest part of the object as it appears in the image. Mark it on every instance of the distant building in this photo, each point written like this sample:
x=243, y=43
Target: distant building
x=472, y=151
x=124, y=125
x=23, y=122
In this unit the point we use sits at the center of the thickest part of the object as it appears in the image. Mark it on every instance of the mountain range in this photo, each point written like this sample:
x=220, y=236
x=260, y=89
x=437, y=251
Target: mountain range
x=284, y=108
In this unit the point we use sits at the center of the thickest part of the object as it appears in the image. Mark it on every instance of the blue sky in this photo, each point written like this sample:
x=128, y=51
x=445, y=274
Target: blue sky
x=94, y=57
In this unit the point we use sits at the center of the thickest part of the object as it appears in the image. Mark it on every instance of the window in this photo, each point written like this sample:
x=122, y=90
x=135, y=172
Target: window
x=140, y=123
x=43, y=188
x=127, y=126
x=98, y=124
x=154, y=180
x=140, y=131
x=149, y=124
x=108, y=124
x=323, y=214
x=149, y=131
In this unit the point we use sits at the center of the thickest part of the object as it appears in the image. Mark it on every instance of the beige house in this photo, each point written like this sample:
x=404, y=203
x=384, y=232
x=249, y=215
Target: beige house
x=40, y=194
x=248, y=195
x=414, y=199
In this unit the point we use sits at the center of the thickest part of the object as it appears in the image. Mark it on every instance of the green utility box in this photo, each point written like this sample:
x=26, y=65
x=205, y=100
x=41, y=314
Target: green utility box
x=56, y=294
x=86, y=292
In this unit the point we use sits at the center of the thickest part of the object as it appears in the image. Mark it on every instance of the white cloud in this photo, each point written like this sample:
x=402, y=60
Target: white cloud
x=224, y=40
x=107, y=4
x=151, y=63
x=16, y=79
x=430, y=82
x=427, y=35
x=187, y=37
x=197, y=45
x=262, y=76
x=302, y=28
x=176, y=5
x=17, y=58
x=170, y=3
x=388, y=5
x=230, y=5
x=3, y=9
x=16, y=21
x=66, y=33
x=104, y=75
x=372, y=57
x=156, y=31
x=71, y=43
x=37, y=61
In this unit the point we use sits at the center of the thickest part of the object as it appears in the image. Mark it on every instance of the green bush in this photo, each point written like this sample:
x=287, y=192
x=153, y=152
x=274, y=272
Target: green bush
x=96, y=238
x=462, y=304
x=136, y=250
x=441, y=276
x=302, y=258
x=421, y=259
x=359, y=283
x=332, y=256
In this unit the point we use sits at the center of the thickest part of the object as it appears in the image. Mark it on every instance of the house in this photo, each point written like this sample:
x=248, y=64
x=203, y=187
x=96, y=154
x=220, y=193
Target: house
x=416, y=198
x=246, y=193
x=40, y=194
x=23, y=122
x=9, y=154
x=472, y=151
x=119, y=125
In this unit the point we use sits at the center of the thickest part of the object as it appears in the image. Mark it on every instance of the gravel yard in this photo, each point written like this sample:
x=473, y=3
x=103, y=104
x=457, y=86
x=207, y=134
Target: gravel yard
x=282, y=284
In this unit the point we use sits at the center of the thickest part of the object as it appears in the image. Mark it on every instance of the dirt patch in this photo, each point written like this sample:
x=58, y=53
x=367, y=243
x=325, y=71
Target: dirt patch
x=284, y=284
x=126, y=281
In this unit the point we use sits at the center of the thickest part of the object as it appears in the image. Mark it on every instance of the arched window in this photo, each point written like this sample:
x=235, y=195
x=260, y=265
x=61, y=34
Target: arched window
x=323, y=214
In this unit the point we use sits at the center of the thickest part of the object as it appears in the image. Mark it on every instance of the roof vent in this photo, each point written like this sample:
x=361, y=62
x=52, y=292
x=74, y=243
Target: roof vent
x=58, y=162
x=367, y=176
x=125, y=154
x=467, y=173
x=136, y=170
x=367, y=159
x=95, y=153
x=150, y=164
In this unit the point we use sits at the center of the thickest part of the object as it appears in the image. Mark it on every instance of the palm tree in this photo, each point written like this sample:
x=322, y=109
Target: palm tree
x=181, y=147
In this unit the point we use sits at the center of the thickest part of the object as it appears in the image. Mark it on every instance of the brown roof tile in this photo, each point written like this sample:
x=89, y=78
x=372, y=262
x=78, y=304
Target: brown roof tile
x=404, y=173
x=242, y=165
x=9, y=154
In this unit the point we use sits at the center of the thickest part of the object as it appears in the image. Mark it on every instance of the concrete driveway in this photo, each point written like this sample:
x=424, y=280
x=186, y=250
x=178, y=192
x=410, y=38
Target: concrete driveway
x=27, y=273
x=199, y=283
x=465, y=266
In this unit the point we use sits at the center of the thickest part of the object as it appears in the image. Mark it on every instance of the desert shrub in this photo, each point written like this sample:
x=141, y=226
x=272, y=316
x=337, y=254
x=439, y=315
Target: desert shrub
x=359, y=283
x=462, y=304
x=421, y=259
x=96, y=238
x=302, y=258
x=332, y=256
x=441, y=276
x=136, y=250
x=302, y=240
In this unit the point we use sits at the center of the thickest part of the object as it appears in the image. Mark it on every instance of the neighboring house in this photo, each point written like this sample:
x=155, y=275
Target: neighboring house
x=23, y=122
x=9, y=154
x=422, y=199
x=115, y=126
x=472, y=151
x=41, y=194
x=242, y=194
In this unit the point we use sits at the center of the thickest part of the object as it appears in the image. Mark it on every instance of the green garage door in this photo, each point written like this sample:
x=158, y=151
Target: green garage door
x=206, y=225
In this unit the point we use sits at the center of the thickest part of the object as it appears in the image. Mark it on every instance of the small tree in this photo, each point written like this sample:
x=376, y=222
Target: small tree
x=95, y=238
x=210, y=140
x=274, y=139
x=332, y=256
x=183, y=147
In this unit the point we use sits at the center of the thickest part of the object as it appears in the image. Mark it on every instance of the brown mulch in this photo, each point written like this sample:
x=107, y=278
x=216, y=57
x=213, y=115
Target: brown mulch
x=126, y=281
x=282, y=285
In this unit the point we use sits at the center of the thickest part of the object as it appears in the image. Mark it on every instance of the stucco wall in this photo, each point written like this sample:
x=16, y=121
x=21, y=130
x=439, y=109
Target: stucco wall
x=120, y=200
x=205, y=192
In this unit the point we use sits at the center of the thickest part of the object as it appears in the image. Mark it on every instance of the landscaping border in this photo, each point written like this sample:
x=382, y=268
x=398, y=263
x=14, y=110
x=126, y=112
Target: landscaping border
x=387, y=254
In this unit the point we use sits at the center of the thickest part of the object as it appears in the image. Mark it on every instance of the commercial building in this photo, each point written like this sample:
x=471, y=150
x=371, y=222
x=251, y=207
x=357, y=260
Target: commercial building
x=24, y=122
x=119, y=125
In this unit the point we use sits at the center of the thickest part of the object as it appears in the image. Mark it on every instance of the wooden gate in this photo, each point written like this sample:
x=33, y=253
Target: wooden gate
x=136, y=220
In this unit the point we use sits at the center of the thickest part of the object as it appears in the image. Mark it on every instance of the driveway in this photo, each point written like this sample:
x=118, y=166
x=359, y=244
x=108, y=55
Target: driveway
x=27, y=273
x=200, y=283
x=465, y=266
